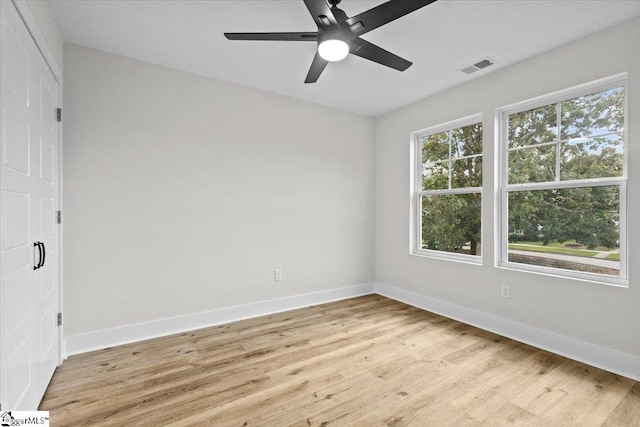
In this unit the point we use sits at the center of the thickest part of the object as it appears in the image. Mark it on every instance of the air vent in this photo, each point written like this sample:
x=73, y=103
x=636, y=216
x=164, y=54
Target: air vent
x=483, y=63
x=470, y=70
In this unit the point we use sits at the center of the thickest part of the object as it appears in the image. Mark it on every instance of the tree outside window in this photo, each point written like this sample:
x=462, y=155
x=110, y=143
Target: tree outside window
x=565, y=183
x=450, y=189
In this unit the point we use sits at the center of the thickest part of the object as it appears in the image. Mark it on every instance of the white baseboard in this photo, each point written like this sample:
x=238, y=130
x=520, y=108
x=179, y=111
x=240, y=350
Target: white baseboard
x=97, y=340
x=614, y=361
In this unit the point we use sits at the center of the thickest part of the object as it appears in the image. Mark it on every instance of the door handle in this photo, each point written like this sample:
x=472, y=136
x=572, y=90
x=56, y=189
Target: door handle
x=44, y=254
x=37, y=244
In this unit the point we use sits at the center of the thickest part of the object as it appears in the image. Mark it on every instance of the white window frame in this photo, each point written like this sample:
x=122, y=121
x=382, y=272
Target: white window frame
x=503, y=188
x=417, y=191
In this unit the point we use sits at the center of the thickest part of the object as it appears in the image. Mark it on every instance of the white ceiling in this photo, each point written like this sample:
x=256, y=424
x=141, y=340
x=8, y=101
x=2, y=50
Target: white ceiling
x=439, y=39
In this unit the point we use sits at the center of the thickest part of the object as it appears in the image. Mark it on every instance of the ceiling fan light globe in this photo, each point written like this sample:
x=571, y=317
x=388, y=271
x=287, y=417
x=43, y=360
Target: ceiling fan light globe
x=333, y=50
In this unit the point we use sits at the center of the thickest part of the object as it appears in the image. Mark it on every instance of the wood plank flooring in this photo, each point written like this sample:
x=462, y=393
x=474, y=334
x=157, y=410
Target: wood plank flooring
x=367, y=361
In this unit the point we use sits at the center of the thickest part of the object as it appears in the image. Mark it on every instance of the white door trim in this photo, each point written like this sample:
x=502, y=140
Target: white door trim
x=32, y=26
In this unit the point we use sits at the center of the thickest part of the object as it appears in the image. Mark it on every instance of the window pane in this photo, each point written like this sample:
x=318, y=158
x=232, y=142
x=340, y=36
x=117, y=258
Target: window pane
x=435, y=147
x=435, y=176
x=595, y=114
x=597, y=157
x=466, y=172
x=535, y=164
x=451, y=223
x=533, y=126
x=573, y=229
x=466, y=141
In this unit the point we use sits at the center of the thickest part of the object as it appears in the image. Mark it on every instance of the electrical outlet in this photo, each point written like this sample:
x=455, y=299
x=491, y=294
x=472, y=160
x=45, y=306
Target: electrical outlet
x=277, y=275
x=505, y=291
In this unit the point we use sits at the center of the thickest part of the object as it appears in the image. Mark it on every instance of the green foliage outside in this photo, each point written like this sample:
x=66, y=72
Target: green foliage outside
x=588, y=215
x=613, y=257
x=590, y=146
x=589, y=142
x=451, y=223
x=452, y=159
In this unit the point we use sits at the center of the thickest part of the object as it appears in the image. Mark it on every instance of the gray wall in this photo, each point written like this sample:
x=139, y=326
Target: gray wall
x=182, y=194
x=594, y=313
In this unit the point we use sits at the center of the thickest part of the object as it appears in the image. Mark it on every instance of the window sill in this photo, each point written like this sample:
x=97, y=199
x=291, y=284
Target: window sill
x=593, y=278
x=448, y=256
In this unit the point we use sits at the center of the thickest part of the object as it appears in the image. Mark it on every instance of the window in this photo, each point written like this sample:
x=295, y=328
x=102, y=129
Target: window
x=564, y=184
x=448, y=190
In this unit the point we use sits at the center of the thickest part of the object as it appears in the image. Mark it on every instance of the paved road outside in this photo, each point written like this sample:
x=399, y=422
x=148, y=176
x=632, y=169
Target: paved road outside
x=570, y=258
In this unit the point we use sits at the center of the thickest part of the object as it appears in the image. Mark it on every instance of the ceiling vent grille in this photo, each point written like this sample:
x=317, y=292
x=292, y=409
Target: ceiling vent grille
x=482, y=64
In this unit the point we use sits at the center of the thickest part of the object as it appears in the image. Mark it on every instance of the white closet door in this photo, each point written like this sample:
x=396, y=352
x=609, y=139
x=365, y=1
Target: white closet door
x=28, y=189
x=47, y=176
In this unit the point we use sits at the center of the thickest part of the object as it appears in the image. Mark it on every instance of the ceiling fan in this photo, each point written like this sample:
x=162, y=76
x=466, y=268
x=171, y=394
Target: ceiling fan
x=338, y=35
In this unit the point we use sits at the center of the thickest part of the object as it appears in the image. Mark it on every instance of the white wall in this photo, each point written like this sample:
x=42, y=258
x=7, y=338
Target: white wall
x=606, y=316
x=41, y=11
x=182, y=194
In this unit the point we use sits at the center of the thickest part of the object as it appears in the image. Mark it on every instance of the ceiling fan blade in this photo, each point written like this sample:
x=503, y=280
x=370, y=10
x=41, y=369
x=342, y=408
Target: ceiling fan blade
x=317, y=67
x=294, y=37
x=370, y=51
x=383, y=14
x=321, y=13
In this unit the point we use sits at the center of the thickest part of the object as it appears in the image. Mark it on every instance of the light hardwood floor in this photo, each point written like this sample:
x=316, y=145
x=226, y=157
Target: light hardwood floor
x=367, y=361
